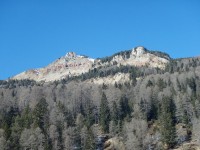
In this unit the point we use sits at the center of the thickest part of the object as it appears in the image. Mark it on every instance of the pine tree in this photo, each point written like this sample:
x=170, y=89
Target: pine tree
x=90, y=142
x=167, y=120
x=115, y=113
x=104, y=113
x=26, y=117
x=153, y=112
x=90, y=118
x=40, y=114
x=161, y=84
x=114, y=128
x=124, y=108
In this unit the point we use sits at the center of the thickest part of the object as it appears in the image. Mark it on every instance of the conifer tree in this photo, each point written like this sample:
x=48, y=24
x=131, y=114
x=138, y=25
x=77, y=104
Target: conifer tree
x=114, y=124
x=39, y=114
x=90, y=142
x=167, y=120
x=124, y=108
x=104, y=113
x=153, y=112
x=115, y=113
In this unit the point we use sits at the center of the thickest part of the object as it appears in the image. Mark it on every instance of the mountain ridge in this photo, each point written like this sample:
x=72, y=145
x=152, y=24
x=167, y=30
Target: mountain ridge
x=72, y=64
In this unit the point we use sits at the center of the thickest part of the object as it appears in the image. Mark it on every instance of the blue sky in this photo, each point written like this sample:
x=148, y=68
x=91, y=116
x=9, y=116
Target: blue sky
x=34, y=33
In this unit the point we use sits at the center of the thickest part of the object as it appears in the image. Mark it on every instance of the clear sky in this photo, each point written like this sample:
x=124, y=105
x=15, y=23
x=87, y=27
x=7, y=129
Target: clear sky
x=33, y=33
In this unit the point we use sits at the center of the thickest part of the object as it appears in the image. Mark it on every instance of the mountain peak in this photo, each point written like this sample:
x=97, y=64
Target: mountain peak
x=74, y=65
x=71, y=55
x=138, y=51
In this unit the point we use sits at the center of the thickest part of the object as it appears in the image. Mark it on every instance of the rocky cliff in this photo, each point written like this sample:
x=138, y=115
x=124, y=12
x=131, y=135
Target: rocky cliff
x=69, y=65
x=73, y=65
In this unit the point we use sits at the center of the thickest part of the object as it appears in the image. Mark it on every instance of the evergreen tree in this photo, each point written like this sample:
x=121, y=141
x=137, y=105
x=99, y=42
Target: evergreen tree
x=20, y=122
x=90, y=141
x=124, y=108
x=7, y=120
x=26, y=117
x=114, y=128
x=76, y=138
x=40, y=114
x=167, y=120
x=104, y=113
x=161, y=84
x=115, y=113
x=90, y=118
x=153, y=112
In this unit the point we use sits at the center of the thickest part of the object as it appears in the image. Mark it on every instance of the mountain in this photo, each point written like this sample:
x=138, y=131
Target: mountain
x=69, y=65
x=133, y=100
x=74, y=65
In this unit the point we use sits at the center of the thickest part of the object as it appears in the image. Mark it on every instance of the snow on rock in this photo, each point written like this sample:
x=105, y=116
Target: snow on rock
x=91, y=59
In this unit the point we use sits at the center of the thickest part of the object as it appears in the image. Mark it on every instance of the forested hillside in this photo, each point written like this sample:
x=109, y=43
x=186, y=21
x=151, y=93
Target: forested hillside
x=155, y=109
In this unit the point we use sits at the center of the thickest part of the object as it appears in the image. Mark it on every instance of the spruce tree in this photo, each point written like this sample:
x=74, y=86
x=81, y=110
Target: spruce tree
x=90, y=141
x=124, y=108
x=114, y=126
x=167, y=120
x=104, y=113
x=40, y=114
x=153, y=111
x=115, y=113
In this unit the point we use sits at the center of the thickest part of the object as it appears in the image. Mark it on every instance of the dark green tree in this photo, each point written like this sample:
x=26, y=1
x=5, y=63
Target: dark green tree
x=40, y=114
x=8, y=119
x=124, y=108
x=115, y=113
x=153, y=111
x=167, y=122
x=41, y=118
x=161, y=84
x=21, y=121
x=90, y=116
x=149, y=83
x=90, y=119
x=115, y=118
x=90, y=141
x=27, y=118
x=104, y=113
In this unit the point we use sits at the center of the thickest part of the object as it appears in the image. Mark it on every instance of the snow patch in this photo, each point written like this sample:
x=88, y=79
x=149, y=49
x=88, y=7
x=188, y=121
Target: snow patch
x=91, y=59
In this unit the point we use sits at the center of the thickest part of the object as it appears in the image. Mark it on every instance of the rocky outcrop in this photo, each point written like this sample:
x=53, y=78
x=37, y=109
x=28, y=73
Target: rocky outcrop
x=118, y=78
x=73, y=65
x=141, y=57
x=189, y=146
x=114, y=143
x=69, y=65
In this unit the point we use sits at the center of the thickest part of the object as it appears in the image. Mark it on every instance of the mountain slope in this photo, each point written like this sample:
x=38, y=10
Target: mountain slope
x=74, y=65
x=69, y=65
x=147, y=107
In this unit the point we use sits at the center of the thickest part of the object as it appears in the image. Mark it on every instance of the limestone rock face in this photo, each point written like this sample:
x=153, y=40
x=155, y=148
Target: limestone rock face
x=139, y=56
x=114, y=144
x=73, y=65
x=70, y=55
x=138, y=51
x=70, y=65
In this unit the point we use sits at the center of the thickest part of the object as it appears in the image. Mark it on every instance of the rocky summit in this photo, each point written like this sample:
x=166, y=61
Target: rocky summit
x=73, y=65
x=68, y=65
